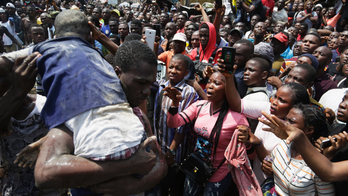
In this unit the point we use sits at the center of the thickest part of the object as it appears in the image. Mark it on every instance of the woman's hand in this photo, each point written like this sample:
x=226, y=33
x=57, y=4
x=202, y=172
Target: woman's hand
x=222, y=67
x=266, y=167
x=207, y=72
x=173, y=94
x=198, y=7
x=279, y=129
x=243, y=133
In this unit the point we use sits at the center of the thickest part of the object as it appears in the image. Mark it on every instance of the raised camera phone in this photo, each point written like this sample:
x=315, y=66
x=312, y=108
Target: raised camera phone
x=150, y=35
x=228, y=54
x=326, y=143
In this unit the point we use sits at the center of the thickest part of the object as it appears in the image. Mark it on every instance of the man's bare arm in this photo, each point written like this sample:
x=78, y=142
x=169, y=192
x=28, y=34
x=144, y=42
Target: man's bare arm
x=24, y=79
x=56, y=167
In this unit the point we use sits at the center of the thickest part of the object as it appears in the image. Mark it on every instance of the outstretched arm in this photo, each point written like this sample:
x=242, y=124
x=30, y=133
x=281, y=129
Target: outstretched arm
x=9, y=35
x=326, y=170
x=199, y=7
x=103, y=39
x=56, y=167
x=24, y=79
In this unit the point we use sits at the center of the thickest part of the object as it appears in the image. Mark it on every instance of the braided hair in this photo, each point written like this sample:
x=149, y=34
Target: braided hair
x=312, y=116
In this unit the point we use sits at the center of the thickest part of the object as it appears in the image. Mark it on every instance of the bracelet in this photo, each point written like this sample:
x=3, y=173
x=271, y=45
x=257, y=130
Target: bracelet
x=258, y=144
x=172, y=152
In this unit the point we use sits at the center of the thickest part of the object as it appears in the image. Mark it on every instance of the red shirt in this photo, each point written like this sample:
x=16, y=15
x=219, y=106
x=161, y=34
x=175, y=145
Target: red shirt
x=269, y=4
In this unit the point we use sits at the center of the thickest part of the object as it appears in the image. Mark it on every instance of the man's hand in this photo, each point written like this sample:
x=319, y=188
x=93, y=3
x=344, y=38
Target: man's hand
x=173, y=94
x=145, y=161
x=330, y=152
x=25, y=73
x=28, y=155
x=96, y=33
x=274, y=81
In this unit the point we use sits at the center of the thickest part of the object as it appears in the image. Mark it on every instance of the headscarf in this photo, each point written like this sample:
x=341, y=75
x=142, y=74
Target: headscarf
x=315, y=62
x=209, y=49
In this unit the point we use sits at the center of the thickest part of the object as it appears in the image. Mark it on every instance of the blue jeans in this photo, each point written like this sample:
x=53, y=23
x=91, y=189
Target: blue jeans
x=210, y=189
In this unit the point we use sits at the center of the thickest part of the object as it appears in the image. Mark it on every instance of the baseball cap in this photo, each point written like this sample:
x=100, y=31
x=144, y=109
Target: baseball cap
x=241, y=33
x=265, y=51
x=10, y=5
x=116, y=11
x=180, y=37
x=281, y=37
x=2, y=10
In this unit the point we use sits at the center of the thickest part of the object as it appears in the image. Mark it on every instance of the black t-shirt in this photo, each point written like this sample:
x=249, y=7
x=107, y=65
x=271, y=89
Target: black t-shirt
x=260, y=9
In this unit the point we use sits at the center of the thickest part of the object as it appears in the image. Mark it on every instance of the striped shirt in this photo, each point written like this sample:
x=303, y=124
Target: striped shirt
x=294, y=177
x=164, y=134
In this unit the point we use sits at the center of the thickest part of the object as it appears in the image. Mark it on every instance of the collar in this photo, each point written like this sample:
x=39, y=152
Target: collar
x=179, y=85
x=338, y=52
x=252, y=89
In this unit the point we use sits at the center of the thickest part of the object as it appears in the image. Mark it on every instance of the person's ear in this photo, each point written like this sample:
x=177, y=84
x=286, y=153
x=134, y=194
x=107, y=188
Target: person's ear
x=309, y=130
x=118, y=71
x=264, y=75
x=187, y=72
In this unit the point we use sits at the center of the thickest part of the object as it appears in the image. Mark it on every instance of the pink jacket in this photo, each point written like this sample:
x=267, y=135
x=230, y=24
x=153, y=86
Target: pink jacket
x=240, y=168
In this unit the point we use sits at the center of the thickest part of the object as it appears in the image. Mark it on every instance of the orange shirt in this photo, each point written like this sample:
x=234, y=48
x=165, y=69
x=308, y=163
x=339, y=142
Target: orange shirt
x=167, y=56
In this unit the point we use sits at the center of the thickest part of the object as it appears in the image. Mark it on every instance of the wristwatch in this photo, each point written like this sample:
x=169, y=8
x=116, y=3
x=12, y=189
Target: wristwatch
x=172, y=152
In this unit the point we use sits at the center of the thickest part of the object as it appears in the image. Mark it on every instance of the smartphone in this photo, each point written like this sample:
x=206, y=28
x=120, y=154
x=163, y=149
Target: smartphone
x=150, y=37
x=326, y=143
x=157, y=27
x=218, y=3
x=228, y=54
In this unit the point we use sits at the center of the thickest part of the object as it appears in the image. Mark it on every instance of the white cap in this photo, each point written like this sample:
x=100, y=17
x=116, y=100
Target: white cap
x=10, y=5
x=319, y=5
x=2, y=10
x=180, y=37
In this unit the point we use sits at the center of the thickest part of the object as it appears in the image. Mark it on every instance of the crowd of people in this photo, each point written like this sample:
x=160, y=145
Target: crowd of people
x=90, y=105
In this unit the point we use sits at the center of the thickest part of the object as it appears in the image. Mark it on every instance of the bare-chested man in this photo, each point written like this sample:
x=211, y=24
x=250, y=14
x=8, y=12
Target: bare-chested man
x=27, y=21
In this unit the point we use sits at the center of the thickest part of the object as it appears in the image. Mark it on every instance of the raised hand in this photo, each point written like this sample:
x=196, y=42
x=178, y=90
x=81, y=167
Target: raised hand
x=174, y=94
x=279, y=129
x=207, y=72
x=198, y=7
x=96, y=32
x=25, y=72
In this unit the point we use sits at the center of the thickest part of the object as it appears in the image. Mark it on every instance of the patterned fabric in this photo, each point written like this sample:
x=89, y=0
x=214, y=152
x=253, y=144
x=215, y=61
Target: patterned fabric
x=16, y=180
x=239, y=165
x=294, y=177
x=164, y=134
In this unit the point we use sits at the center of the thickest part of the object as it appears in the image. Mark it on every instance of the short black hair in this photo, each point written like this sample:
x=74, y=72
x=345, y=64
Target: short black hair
x=124, y=23
x=183, y=14
x=136, y=22
x=114, y=19
x=264, y=64
x=309, y=71
x=305, y=25
x=131, y=37
x=35, y=26
x=182, y=57
x=225, y=30
x=248, y=43
x=130, y=53
x=316, y=35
